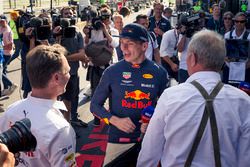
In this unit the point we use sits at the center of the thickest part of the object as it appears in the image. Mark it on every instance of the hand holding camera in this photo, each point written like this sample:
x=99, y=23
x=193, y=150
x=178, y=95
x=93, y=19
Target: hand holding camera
x=6, y=157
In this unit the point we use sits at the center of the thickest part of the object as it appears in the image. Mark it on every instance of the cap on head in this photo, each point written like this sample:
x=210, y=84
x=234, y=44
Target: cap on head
x=3, y=17
x=135, y=31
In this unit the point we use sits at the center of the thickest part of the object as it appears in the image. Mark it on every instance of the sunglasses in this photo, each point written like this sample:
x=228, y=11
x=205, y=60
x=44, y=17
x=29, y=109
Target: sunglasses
x=240, y=21
x=227, y=18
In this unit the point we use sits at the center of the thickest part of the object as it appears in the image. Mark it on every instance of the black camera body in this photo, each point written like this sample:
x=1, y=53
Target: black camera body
x=193, y=23
x=67, y=25
x=19, y=137
x=97, y=23
x=42, y=29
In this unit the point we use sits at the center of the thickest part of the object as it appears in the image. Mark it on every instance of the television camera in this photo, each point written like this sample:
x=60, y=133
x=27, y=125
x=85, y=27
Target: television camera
x=193, y=22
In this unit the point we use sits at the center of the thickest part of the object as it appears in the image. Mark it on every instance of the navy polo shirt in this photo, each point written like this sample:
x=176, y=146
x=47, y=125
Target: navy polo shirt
x=163, y=24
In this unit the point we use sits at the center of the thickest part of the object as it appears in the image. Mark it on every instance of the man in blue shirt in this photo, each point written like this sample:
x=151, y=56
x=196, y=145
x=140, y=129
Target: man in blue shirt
x=157, y=23
x=131, y=85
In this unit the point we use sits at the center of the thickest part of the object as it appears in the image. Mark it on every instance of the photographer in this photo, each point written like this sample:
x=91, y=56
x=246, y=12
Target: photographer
x=70, y=37
x=182, y=46
x=99, y=31
x=48, y=72
x=6, y=158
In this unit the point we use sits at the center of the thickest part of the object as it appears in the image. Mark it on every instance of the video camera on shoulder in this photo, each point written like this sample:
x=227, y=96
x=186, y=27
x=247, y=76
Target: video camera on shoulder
x=237, y=49
x=42, y=29
x=194, y=23
x=68, y=27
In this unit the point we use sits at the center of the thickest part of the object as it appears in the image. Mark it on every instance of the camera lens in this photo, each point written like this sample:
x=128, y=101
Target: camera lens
x=18, y=137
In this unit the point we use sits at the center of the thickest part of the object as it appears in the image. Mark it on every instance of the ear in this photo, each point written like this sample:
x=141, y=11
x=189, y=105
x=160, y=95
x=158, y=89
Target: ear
x=193, y=60
x=145, y=46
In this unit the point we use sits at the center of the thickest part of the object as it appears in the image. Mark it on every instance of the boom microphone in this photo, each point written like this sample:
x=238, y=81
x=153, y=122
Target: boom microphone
x=146, y=115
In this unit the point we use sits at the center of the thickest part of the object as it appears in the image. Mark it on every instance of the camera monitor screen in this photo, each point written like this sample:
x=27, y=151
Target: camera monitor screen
x=237, y=48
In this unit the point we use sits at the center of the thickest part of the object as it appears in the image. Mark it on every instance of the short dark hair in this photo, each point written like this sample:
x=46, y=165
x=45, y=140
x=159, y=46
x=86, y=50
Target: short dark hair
x=43, y=61
x=240, y=14
x=65, y=8
x=168, y=10
x=215, y=5
x=158, y=3
x=124, y=11
x=140, y=16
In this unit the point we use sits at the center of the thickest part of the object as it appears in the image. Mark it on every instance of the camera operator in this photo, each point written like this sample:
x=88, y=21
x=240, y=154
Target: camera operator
x=168, y=51
x=74, y=46
x=6, y=158
x=182, y=46
x=48, y=72
x=99, y=31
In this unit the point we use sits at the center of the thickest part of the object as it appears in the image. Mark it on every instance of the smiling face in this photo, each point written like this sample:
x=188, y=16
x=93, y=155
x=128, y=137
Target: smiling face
x=118, y=23
x=240, y=23
x=133, y=51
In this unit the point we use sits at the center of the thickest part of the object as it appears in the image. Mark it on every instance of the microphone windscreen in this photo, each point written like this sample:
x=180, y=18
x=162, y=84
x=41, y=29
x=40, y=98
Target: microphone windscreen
x=36, y=22
x=146, y=114
x=148, y=111
x=64, y=22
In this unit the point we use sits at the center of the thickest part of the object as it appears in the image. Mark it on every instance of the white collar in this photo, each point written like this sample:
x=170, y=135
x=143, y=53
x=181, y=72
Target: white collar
x=59, y=105
x=204, y=75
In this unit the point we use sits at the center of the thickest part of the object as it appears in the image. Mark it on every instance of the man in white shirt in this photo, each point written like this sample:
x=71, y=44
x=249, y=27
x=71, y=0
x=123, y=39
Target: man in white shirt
x=180, y=109
x=168, y=50
x=48, y=72
x=239, y=32
x=152, y=52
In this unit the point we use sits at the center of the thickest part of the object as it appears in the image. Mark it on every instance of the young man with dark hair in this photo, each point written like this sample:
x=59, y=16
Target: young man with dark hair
x=131, y=85
x=157, y=23
x=75, y=48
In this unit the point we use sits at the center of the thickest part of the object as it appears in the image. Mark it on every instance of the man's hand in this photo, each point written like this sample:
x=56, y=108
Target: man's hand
x=158, y=31
x=174, y=67
x=144, y=127
x=124, y=124
x=6, y=158
x=28, y=31
x=57, y=30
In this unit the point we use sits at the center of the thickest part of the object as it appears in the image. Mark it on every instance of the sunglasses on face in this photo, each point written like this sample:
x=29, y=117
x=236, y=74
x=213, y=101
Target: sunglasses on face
x=240, y=21
x=227, y=18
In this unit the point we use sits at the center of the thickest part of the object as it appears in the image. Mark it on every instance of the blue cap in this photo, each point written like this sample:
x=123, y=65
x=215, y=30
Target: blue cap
x=3, y=17
x=135, y=31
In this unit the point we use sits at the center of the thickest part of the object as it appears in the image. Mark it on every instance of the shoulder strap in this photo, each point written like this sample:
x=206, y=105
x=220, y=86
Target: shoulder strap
x=245, y=35
x=208, y=113
x=152, y=34
x=231, y=35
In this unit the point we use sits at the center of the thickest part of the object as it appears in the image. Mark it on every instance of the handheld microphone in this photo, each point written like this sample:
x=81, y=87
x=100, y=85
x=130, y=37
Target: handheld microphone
x=146, y=115
x=245, y=86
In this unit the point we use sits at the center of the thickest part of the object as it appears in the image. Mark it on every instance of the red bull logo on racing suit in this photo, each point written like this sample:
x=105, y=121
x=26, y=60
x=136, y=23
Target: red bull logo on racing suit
x=138, y=96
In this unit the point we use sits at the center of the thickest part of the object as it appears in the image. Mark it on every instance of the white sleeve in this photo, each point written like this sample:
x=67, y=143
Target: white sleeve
x=152, y=149
x=62, y=148
x=244, y=142
x=155, y=44
x=115, y=40
x=4, y=123
x=164, y=45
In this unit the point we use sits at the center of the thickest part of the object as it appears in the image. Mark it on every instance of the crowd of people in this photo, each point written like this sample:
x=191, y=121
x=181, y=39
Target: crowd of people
x=138, y=61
